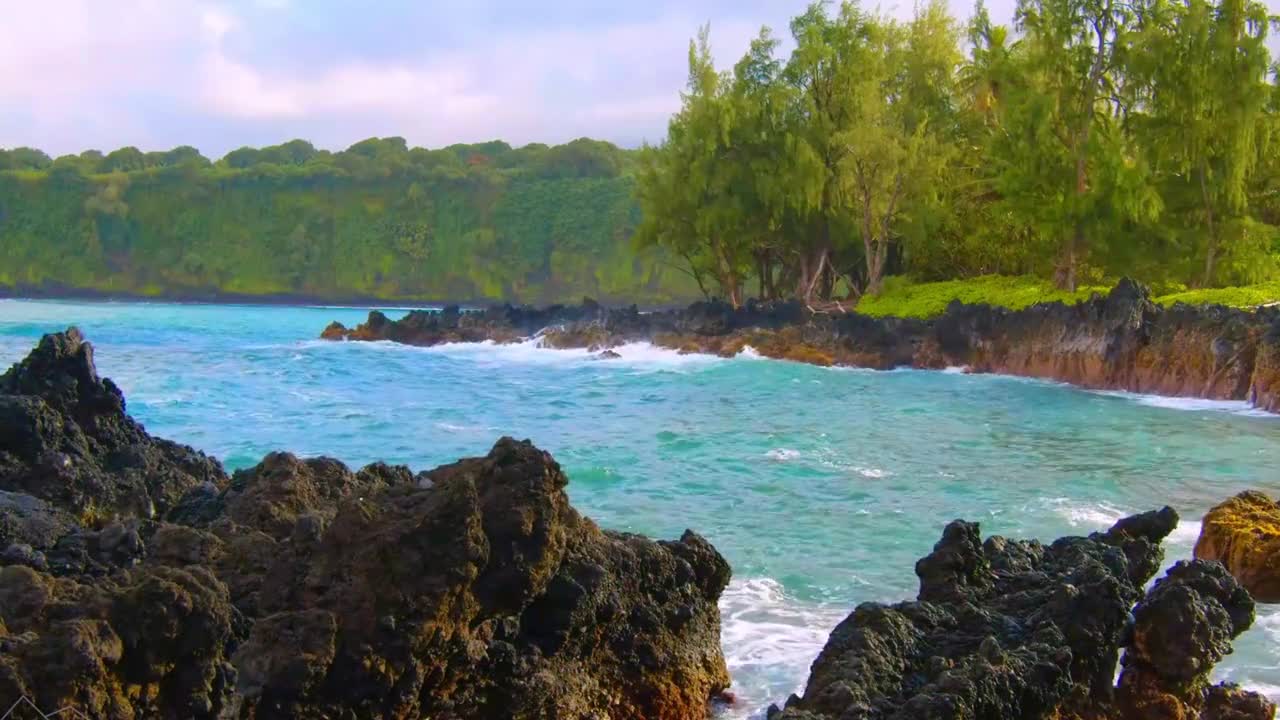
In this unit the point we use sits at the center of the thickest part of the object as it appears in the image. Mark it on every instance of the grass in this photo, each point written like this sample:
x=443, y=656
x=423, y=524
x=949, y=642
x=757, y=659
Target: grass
x=903, y=298
x=1246, y=296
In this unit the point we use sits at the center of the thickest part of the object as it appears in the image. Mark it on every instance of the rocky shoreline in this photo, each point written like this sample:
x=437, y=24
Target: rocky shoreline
x=138, y=580
x=1120, y=341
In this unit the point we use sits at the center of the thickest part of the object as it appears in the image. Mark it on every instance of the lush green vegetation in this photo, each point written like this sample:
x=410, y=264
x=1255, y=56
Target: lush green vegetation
x=1242, y=297
x=902, y=298
x=1095, y=139
x=380, y=219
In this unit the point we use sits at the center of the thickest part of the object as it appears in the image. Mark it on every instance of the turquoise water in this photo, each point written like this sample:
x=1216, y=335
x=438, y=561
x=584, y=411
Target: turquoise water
x=821, y=486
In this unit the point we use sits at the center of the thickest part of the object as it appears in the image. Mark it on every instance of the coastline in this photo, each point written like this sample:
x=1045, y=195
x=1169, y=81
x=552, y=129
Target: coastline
x=1121, y=341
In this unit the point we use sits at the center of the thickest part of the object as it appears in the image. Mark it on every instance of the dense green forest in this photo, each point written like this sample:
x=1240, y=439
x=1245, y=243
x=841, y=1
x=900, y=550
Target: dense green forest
x=378, y=220
x=1092, y=139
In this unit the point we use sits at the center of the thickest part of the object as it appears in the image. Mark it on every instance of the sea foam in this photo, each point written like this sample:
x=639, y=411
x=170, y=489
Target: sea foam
x=772, y=638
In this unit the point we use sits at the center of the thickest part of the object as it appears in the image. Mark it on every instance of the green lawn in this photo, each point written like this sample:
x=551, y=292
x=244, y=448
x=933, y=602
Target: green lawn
x=903, y=298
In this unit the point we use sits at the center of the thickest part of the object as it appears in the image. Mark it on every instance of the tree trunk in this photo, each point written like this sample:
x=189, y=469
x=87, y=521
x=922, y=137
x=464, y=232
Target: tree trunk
x=728, y=277
x=1066, y=273
x=1211, y=257
x=869, y=249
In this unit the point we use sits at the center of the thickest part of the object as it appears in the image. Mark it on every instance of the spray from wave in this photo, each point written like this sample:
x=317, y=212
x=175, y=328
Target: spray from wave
x=769, y=640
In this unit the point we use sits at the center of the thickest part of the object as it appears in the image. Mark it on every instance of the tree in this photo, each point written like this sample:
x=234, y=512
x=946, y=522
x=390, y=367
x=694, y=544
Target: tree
x=684, y=186
x=1202, y=70
x=24, y=158
x=823, y=70
x=126, y=159
x=1072, y=63
x=893, y=150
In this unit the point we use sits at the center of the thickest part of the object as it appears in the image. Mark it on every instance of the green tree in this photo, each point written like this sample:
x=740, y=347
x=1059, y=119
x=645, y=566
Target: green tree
x=1072, y=64
x=894, y=151
x=1202, y=69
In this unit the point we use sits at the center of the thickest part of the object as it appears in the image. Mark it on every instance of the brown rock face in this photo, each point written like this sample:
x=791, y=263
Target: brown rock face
x=301, y=589
x=1243, y=534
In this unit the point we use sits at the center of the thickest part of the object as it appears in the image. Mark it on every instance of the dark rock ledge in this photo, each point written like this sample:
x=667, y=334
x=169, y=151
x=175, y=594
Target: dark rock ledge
x=1121, y=341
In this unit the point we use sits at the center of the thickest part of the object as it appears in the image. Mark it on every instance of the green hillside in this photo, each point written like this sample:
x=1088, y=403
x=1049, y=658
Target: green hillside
x=378, y=220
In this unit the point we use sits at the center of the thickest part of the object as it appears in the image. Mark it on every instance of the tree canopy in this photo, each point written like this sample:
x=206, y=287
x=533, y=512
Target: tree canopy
x=1091, y=139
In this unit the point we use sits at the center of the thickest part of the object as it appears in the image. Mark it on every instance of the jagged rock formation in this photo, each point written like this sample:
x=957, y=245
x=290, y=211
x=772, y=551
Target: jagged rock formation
x=1120, y=341
x=137, y=580
x=65, y=439
x=1243, y=533
x=1016, y=629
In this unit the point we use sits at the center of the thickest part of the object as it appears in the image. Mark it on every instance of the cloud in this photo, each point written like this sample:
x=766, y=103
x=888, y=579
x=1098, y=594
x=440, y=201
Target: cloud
x=223, y=73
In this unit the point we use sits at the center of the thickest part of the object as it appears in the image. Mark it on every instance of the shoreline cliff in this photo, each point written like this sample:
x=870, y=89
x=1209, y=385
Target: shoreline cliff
x=1119, y=341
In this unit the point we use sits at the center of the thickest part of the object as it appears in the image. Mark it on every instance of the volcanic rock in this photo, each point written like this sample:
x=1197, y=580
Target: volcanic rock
x=1243, y=534
x=1016, y=629
x=138, y=581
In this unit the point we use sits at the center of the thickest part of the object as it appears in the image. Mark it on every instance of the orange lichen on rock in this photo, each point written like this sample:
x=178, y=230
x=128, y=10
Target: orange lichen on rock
x=1243, y=534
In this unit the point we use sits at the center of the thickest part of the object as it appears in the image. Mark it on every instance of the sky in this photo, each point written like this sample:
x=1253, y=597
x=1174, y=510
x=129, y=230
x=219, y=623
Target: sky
x=94, y=74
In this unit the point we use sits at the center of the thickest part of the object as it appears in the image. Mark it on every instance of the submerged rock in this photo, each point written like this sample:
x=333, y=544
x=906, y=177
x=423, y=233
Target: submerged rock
x=1243, y=533
x=1016, y=629
x=299, y=588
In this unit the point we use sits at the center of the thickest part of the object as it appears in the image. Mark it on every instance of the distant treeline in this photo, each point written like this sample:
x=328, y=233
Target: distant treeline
x=379, y=219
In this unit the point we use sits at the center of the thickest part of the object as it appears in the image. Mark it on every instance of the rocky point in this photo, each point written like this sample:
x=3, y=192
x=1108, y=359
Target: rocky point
x=137, y=580
x=1016, y=629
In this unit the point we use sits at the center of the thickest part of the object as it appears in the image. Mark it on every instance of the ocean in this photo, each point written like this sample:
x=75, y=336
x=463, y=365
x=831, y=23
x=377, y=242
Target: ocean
x=822, y=486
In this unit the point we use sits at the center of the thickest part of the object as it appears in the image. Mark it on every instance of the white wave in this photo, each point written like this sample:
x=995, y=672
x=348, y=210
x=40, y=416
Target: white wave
x=872, y=472
x=451, y=427
x=1268, y=622
x=956, y=370
x=1087, y=515
x=769, y=641
x=1271, y=691
x=1235, y=407
x=533, y=352
x=1183, y=538
x=749, y=353
x=782, y=454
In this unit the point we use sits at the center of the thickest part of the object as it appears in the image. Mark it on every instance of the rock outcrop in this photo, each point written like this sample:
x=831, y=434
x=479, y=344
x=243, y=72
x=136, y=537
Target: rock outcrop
x=137, y=580
x=65, y=439
x=1016, y=629
x=1120, y=341
x=1243, y=534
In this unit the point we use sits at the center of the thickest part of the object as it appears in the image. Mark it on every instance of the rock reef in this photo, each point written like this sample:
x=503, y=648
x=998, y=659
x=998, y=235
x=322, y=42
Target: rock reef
x=137, y=580
x=1016, y=629
x=1243, y=534
x=1120, y=341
